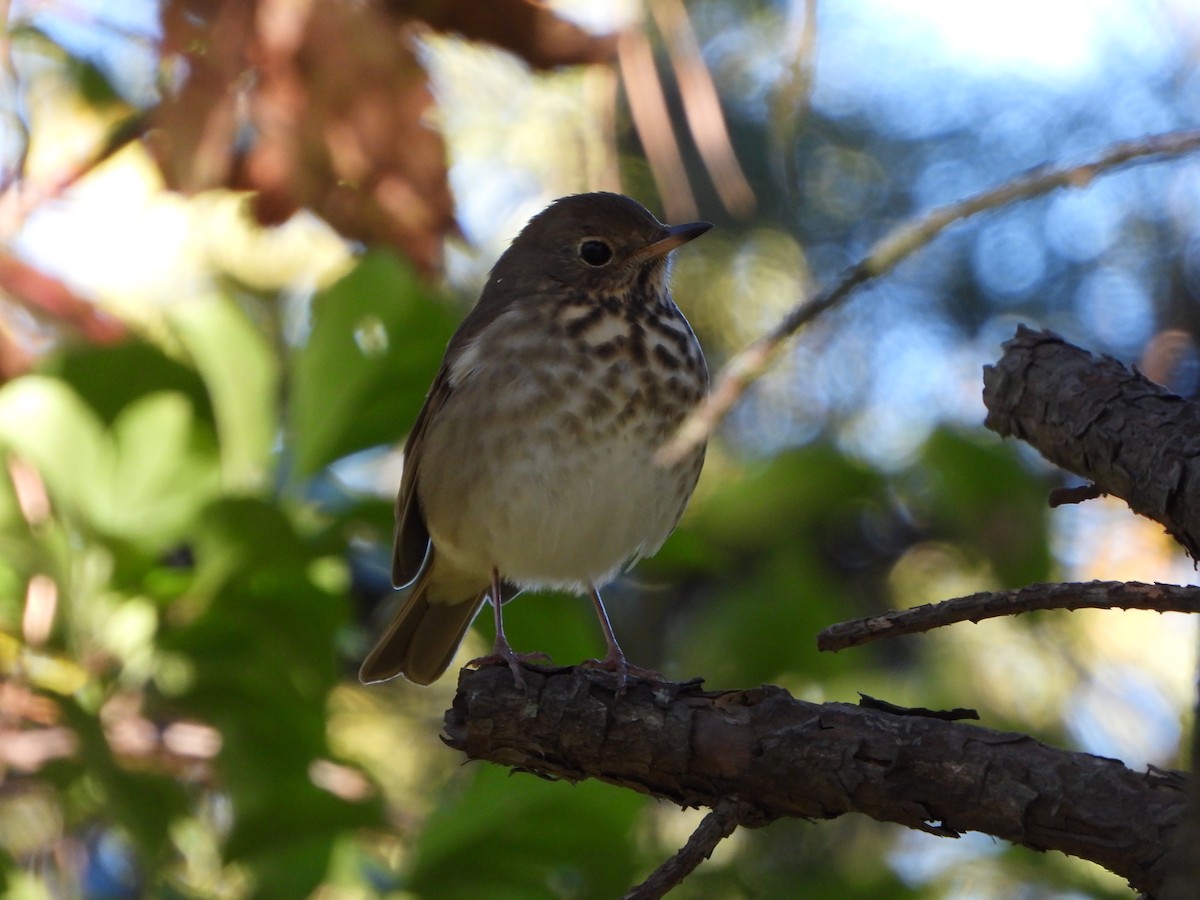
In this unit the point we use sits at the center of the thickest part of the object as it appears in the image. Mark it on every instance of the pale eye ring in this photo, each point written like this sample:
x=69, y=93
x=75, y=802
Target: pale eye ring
x=595, y=253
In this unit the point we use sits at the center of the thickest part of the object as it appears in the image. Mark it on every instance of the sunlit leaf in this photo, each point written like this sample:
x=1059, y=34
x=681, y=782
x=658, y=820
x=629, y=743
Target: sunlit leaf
x=241, y=374
x=143, y=481
x=47, y=423
x=158, y=484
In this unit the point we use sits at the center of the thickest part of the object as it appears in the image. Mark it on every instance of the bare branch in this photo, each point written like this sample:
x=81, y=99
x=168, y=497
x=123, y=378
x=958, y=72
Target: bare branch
x=652, y=119
x=49, y=298
x=990, y=605
x=781, y=757
x=713, y=829
x=702, y=107
x=751, y=362
x=1131, y=437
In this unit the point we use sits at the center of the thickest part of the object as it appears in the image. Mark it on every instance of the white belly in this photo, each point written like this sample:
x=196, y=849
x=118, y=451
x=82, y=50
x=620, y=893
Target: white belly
x=576, y=516
x=555, y=489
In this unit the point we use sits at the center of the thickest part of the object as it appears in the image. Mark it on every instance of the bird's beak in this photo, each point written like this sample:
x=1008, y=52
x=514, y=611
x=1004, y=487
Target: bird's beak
x=676, y=236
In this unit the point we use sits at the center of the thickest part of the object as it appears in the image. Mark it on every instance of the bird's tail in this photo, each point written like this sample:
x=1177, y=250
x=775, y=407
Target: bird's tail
x=422, y=637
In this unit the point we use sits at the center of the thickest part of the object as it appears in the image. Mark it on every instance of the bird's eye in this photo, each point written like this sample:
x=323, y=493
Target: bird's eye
x=595, y=253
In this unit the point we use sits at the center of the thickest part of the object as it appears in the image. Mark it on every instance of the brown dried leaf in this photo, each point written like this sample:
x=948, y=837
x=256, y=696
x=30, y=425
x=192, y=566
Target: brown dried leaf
x=193, y=128
x=324, y=105
x=320, y=105
x=527, y=28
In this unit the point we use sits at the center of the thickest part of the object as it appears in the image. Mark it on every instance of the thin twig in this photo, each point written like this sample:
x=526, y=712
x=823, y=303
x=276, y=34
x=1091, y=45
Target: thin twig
x=713, y=828
x=49, y=298
x=702, y=107
x=750, y=363
x=652, y=119
x=989, y=605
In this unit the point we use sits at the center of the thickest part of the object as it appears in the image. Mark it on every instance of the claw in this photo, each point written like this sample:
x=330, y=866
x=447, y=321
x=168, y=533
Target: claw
x=616, y=663
x=502, y=652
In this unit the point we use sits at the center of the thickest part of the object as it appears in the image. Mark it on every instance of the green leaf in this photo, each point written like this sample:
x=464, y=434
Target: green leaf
x=160, y=480
x=102, y=376
x=242, y=376
x=288, y=841
x=45, y=422
x=773, y=542
x=476, y=845
x=263, y=662
x=376, y=343
x=143, y=481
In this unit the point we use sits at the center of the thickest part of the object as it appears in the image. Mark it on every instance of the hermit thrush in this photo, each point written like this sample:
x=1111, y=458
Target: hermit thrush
x=531, y=464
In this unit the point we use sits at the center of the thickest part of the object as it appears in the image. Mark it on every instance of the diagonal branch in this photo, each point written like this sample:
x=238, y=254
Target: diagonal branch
x=989, y=605
x=652, y=119
x=1133, y=438
x=749, y=364
x=702, y=107
x=714, y=828
x=781, y=757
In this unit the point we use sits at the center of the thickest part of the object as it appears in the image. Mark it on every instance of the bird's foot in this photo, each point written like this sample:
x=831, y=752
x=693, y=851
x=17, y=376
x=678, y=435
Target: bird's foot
x=617, y=664
x=502, y=652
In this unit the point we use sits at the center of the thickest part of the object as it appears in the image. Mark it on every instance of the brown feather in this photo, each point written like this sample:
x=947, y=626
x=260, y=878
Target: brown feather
x=422, y=637
x=411, y=545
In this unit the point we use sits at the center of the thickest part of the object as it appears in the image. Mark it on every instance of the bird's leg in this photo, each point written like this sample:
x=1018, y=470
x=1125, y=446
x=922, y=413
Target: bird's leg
x=502, y=651
x=614, y=659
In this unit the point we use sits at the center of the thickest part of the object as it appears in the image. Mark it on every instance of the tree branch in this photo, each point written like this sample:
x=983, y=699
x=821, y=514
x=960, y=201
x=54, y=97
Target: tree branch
x=714, y=828
x=775, y=756
x=1131, y=437
x=749, y=364
x=778, y=756
x=989, y=605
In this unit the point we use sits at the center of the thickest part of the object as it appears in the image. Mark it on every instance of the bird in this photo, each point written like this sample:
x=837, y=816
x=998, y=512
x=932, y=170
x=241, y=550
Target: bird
x=531, y=464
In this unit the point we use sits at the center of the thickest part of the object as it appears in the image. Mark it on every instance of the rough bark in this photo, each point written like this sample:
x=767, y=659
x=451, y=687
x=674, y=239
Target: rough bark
x=778, y=756
x=993, y=604
x=1133, y=438
x=771, y=756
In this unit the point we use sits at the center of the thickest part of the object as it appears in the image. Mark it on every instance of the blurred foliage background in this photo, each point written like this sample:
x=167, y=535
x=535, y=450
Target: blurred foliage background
x=234, y=238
